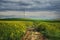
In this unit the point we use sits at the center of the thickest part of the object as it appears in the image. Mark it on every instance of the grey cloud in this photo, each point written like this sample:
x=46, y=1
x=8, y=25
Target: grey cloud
x=52, y=5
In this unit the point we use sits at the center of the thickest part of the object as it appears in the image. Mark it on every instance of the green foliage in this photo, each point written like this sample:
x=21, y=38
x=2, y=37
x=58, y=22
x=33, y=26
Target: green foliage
x=50, y=30
x=14, y=30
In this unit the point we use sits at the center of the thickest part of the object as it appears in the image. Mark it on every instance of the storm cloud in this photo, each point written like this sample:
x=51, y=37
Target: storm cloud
x=29, y=5
x=45, y=9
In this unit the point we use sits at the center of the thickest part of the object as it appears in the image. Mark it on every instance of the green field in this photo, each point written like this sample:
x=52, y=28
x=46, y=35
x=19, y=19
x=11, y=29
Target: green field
x=14, y=30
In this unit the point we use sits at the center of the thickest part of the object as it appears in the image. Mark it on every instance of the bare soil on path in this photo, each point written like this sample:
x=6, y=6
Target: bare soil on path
x=33, y=35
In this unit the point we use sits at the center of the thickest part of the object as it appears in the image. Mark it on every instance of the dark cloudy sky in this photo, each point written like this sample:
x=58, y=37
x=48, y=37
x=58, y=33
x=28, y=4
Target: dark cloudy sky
x=29, y=5
x=32, y=6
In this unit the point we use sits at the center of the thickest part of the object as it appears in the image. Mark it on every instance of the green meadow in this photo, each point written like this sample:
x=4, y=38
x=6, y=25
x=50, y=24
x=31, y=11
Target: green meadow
x=15, y=29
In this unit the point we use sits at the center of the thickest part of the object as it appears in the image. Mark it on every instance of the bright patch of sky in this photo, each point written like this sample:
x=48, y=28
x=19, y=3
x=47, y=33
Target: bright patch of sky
x=34, y=15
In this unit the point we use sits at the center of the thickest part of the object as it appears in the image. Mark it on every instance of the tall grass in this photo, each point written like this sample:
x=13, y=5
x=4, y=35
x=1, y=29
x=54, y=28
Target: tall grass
x=14, y=30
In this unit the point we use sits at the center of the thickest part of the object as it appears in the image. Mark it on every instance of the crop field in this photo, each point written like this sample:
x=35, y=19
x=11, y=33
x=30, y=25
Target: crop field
x=14, y=30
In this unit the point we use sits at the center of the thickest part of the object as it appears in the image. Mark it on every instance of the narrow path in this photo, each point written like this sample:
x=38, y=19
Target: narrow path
x=33, y=35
